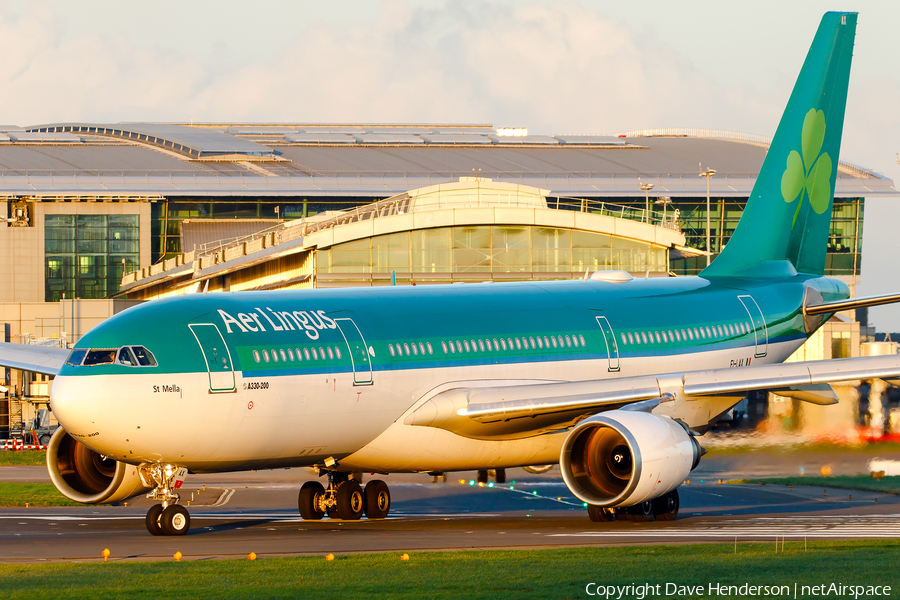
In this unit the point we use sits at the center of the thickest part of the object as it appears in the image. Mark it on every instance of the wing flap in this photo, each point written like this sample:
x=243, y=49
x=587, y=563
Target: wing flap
x=36, y=359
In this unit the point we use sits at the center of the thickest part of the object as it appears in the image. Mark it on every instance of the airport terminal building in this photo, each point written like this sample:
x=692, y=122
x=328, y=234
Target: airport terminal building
x=104, y=213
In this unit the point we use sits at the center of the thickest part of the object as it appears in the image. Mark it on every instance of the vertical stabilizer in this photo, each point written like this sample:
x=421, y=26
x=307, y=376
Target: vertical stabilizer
x=788, y=215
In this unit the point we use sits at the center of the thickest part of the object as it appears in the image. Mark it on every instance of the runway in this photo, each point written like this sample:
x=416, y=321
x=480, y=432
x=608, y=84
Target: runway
x=256, y=512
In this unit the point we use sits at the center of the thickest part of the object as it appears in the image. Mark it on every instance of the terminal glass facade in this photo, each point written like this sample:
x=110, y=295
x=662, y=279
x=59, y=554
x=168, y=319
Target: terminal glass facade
x=86, y=255
x=492, y=249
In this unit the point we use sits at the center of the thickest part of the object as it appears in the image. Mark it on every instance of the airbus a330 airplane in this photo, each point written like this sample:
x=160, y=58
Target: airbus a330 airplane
x=611, y=377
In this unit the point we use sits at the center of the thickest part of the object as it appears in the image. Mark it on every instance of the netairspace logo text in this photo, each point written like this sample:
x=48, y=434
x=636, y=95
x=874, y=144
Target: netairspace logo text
x=640, y=591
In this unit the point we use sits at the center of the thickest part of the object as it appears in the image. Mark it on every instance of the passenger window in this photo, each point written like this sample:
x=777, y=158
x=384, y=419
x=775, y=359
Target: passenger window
x=459, y=346
x=299, y=355
x=315, y=354
x=569, y=340
x=480, y=344
x=337, y=351
x=475, y=346
x=684, y=335
x=266, y=355
x=487, y=344
x=496, y=345
x=444, y=347
x=100, y=357
x=305, y=353
x=256, y=355
x=466, y=343
x=283, y=355
x=656, y=334
x=644, y=337
x=531, y=339
x=509, y=343
x=581, y=339
x=291, y=354
x=677, y=336
x=406, y=348
x=664, y=338
x=414, y=349
x=421, y=348
x=76, y=357
x=330, y=353
x=452, y=348
x=539, y=342
x=125, y=357
x=518, y=344
x=503, y=343
x=430, y=349
x=274, y=355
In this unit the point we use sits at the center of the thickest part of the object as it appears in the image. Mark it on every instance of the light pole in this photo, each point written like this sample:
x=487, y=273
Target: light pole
x=707, y=174
x=647, y=187
x=665, y=201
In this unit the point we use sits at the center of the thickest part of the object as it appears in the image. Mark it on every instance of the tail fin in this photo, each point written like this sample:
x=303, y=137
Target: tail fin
x=788, y=215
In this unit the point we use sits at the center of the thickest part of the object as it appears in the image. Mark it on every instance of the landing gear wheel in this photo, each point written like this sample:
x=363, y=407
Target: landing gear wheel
x=500, y=475
x=152, y=519
x=175, y=520
x=640, y=513
x=310, y=494
x=378, y=499
x=665, y=508
x=482, y=476
x=598, y=514
x=350, y=501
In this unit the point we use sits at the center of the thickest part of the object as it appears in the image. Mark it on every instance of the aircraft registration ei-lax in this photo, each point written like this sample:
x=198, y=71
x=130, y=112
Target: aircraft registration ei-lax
x=611, y=377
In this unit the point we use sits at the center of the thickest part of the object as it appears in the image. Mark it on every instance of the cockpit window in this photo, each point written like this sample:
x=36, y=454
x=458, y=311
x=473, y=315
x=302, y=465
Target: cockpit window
x=76, y=357
x=125, y=357
x=144, y=357
x=100, y=357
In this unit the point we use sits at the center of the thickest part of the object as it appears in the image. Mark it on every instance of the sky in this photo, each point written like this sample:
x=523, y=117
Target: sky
x=553, y=66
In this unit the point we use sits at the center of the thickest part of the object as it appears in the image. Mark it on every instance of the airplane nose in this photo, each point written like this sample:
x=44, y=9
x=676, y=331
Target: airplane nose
x=68, y=404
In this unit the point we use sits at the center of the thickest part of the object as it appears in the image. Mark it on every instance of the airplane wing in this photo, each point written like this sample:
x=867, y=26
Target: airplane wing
x=518, y=410
x=37, y=359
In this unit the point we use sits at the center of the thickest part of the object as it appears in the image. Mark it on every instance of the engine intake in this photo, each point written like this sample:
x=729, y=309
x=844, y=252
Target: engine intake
x=621, y=458
x=83, y=475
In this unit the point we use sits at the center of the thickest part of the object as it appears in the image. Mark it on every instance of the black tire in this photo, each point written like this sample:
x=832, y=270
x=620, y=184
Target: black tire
x=152, y=519
x=665, y=508
x=599, y=514
x=482, y=476
x=640, y=513
x=308, y=501
x=378, y=499
x=44, y=440
x=175, y=520
x=350, y=500
x=500, y=475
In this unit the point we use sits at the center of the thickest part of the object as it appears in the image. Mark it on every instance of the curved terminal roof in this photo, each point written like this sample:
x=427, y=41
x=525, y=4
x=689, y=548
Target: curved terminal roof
x=70, y=159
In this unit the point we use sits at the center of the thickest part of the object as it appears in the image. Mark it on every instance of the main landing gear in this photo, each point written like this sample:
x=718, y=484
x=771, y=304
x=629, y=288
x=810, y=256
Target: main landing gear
x=344, y=499
x=664, y=508
x=166, y=518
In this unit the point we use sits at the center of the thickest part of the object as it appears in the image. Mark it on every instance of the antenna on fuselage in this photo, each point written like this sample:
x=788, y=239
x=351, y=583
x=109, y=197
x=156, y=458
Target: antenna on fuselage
x=205, y=286
x=586, y=274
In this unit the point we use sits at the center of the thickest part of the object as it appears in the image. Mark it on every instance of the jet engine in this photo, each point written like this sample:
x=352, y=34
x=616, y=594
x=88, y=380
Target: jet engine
x=83, y=475
x=622, y=458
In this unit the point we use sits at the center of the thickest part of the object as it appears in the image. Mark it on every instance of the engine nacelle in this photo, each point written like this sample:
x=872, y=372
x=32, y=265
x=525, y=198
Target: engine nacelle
x=621, y=458
x=83, y=475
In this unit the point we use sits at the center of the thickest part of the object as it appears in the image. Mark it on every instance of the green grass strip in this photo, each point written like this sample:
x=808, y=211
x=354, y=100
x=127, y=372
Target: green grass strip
x=520, y=574
x=24, y=457
x=34, y=494
x=888, y=485
x=868, y=449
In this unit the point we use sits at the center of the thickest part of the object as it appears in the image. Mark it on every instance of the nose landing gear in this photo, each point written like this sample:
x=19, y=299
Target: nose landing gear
x=166, y=518
x=344, y=499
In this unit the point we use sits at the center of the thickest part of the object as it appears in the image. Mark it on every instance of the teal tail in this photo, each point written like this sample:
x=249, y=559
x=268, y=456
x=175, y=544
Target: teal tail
x=786, y=223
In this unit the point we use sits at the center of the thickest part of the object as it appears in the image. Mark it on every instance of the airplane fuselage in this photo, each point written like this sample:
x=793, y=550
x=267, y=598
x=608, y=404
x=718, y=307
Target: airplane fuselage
x=292, y=378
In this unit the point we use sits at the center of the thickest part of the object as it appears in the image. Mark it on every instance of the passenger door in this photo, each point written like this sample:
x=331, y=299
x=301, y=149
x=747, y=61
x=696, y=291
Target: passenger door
x=759, y=324
x=218, y=359
x=359, y=351
x=612, y=349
